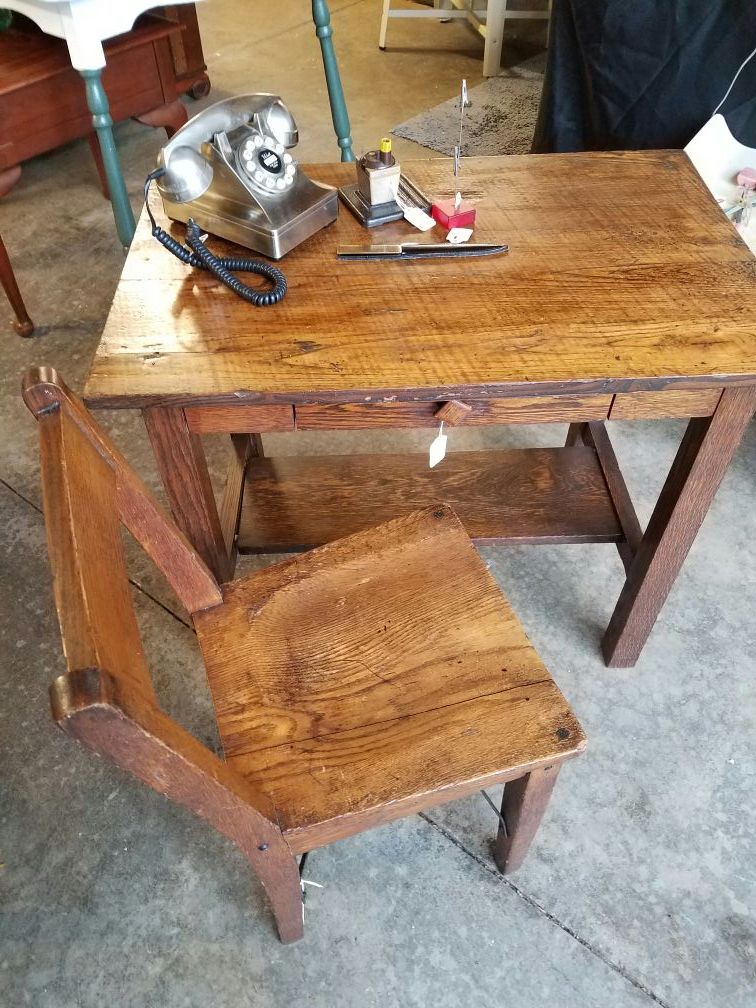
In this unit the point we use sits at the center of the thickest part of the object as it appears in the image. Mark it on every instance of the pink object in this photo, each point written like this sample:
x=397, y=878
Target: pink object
x=747, y=178
x=447, y=215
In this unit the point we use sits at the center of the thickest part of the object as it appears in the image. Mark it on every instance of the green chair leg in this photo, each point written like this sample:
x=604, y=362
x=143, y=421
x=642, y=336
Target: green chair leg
x=97, y=100
x=322, y=18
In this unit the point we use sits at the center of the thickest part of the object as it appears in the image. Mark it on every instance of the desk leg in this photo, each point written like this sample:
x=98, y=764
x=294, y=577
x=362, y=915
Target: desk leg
x=97, y=100
x=183, y=468
x=701, y=462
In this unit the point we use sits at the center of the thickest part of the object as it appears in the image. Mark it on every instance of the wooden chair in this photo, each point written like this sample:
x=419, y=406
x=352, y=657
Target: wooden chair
x=353, y=685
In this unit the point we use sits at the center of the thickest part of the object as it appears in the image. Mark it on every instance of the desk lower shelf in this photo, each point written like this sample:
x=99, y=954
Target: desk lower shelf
x=539, y=495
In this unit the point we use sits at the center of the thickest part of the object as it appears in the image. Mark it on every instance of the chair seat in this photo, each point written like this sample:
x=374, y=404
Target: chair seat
x=376, y=676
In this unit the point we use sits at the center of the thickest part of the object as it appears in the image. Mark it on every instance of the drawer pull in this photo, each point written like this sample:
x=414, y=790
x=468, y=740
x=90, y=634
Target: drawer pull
x=453, y=412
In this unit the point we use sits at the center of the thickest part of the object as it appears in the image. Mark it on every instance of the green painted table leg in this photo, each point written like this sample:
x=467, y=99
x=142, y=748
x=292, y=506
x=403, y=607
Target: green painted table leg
x=97, y=101
x=322, y=18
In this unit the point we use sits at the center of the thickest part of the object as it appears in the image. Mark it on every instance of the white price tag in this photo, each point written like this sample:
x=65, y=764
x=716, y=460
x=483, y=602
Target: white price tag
x=437, y=448
x=457, y=236
x=418, y=218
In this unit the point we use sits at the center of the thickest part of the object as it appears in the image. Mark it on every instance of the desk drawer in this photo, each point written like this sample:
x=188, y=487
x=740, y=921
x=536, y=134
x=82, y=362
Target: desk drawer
x=547, y=409
x=665, y=405
x=239, y=419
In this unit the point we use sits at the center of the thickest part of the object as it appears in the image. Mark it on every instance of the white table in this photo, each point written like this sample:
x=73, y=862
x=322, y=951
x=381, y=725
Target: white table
x=488, y=19
x=85, y=24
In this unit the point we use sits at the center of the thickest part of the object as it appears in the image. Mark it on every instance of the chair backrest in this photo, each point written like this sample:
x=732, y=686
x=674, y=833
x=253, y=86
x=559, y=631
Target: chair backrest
x=106, y=699
x=89, y=491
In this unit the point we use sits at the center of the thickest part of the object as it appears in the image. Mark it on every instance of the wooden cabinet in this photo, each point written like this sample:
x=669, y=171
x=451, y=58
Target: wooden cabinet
x=42, y=99
x=186, y=51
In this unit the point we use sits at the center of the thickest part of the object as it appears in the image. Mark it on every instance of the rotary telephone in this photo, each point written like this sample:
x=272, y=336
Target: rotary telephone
x=228, y=171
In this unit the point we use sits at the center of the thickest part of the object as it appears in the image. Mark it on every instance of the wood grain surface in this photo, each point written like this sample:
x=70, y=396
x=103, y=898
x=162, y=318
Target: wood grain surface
x=370, y=678
x=622, y=275
x=57, y=410
x=400, y=682
x=527, y=409
x=534, y=495
x=664, y=405
x=239, y=419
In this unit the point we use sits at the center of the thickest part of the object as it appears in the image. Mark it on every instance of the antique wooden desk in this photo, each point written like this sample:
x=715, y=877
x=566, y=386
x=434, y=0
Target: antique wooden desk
x=625, y=294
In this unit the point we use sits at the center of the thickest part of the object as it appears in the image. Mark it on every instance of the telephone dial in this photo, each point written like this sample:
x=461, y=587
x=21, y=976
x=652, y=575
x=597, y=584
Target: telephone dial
x=228, y=171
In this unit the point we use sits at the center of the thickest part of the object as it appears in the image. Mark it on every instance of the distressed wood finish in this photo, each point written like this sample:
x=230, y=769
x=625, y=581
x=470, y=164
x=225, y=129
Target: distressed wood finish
x=372, y=775
x=624, y=285
x=239, y=419
x=43, y=392
x=539, y=495
x=530, y=409
x=664, y=405
x=699, y=467
x=349, y=690
x=106, y=699
x=183, y=469
x=392, y=695
x=622, y=275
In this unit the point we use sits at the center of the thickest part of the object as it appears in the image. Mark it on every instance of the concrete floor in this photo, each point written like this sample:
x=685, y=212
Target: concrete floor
x=640, y=889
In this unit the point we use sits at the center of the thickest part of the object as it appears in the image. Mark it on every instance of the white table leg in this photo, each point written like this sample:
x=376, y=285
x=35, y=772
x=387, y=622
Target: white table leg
x=495, y=19
x=384, y=24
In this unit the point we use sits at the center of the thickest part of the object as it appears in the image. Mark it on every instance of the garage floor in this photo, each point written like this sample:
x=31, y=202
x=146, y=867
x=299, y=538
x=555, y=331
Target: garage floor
x=640, y=889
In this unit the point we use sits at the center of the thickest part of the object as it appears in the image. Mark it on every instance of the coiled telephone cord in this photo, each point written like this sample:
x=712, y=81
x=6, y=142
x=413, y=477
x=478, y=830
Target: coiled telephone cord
x=199, y=256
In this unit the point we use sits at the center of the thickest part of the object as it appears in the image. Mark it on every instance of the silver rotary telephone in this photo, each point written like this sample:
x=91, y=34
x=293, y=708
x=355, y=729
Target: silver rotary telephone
x=228, y=171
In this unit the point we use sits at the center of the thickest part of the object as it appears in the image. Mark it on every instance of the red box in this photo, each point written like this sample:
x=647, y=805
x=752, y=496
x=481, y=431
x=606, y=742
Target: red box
x=447, y=215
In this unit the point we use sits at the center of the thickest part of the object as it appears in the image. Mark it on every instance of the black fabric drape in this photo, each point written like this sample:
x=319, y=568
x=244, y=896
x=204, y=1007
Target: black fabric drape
x=645, y=74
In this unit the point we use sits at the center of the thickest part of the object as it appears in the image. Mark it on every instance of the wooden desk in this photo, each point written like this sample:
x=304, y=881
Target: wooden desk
x=625, y=294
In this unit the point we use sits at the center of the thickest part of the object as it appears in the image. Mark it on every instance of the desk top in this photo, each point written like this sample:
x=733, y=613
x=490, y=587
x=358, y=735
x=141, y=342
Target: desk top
x=622, y=275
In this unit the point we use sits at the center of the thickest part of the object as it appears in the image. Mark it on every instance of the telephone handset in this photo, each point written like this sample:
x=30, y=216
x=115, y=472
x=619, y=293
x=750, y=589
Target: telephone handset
x=228, y=171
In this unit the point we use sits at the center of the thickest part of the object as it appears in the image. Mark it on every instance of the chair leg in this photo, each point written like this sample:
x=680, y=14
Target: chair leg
x=495, y=21
x=285, y=895
x=23, y=324
x=522, y=808
x=384, y=24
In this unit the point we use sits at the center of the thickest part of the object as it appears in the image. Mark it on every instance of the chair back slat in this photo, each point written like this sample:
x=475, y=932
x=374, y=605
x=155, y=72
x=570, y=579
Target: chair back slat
x=138, y=510
x=92, y=593
x=90, y=491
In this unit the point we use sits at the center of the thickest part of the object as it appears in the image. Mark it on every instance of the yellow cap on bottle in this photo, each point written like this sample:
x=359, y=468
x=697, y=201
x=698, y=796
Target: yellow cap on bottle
x=385, y=145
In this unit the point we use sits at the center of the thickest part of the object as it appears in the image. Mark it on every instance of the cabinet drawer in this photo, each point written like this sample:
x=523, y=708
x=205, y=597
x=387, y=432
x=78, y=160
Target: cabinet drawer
x=547, y=409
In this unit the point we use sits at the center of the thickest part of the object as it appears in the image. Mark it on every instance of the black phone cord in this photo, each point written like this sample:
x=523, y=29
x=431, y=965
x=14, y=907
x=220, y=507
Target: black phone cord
x=223, y=268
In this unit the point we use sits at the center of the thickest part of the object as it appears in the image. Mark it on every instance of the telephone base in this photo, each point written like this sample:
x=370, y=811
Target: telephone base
x=266, y=238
